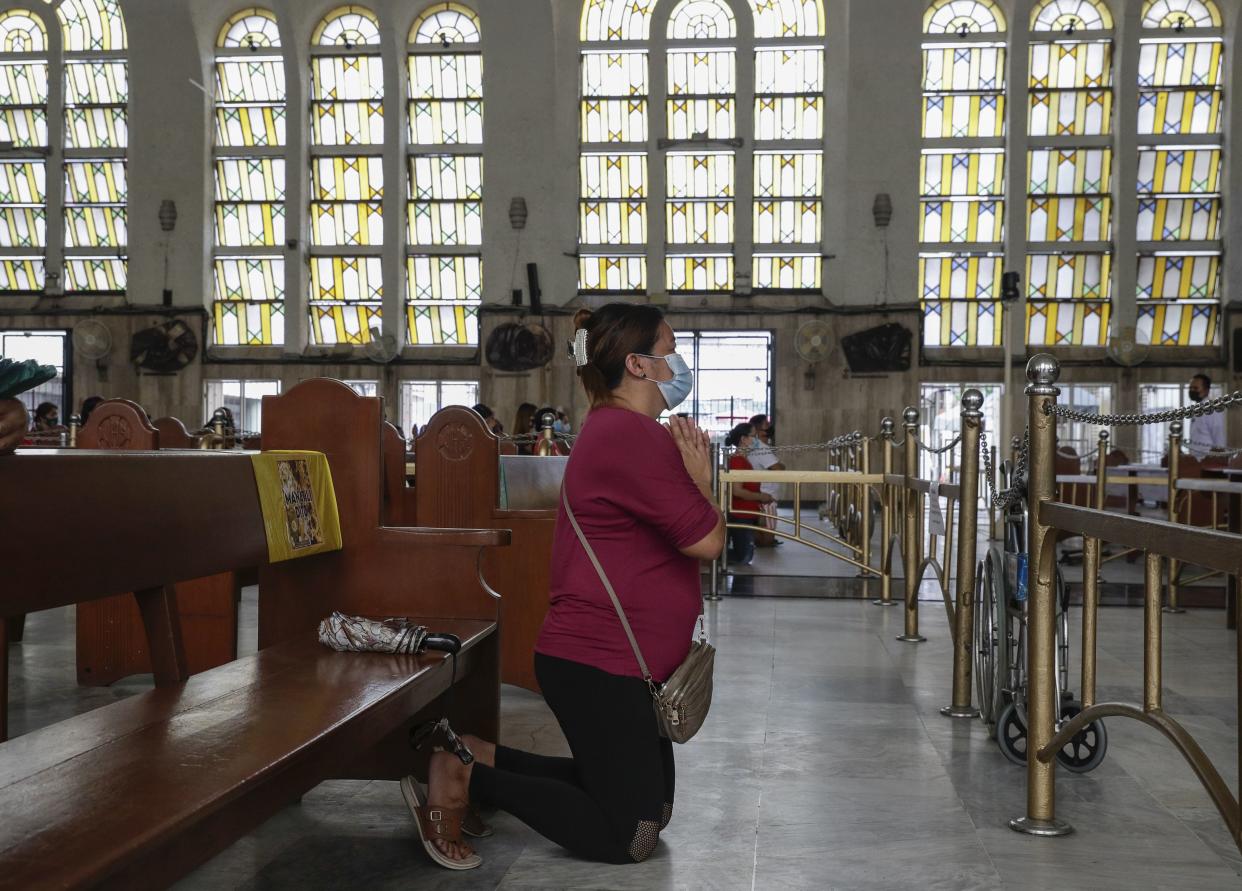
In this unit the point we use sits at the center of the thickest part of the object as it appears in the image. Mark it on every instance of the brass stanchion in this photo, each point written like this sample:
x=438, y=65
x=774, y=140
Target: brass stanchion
x=714, y=591
x=75, y=424
x=1175, y=451
x=1091, y=580
x=886, y=516
x=865, y=521
x=911, y=540
x=1041, y=707
x=968, y=533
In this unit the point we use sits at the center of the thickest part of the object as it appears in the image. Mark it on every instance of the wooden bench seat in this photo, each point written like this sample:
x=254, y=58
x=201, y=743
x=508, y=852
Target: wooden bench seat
x=132, y=794
x=139, y=792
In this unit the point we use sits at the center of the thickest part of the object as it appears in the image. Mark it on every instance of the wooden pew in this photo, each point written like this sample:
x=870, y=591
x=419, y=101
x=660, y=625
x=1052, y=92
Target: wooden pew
x=458, y=485
x=174, y=435
x=111, y=643
x=400, y=507
x=137, y=793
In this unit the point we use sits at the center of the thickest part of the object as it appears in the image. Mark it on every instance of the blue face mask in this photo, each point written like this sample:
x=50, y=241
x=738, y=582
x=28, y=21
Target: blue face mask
x=676, y=390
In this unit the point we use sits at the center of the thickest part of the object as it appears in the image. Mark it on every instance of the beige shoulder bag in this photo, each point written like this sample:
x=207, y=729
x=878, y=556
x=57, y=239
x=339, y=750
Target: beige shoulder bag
x=681, y=702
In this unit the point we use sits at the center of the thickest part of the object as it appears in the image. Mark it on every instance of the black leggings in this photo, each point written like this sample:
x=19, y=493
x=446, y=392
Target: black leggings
x=611, y=799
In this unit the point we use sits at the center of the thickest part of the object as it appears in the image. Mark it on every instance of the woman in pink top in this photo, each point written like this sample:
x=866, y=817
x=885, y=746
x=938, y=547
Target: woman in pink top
x=642, y=495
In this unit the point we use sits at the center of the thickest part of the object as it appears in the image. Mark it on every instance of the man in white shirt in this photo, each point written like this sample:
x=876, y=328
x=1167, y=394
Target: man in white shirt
x=1206, y=432
x=763, y=458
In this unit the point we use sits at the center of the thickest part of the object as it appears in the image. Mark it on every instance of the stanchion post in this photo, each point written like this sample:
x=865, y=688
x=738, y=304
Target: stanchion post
x=1175, y=452
x=886, y=515
x=75, y=424
x=911, y=540
x=967, y=540
x=1091, y=579
x=864, y=489
x=714, y=592
x=1041, y=707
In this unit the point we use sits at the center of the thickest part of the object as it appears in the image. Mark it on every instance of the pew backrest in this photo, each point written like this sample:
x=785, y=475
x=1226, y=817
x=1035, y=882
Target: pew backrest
x=118, y=424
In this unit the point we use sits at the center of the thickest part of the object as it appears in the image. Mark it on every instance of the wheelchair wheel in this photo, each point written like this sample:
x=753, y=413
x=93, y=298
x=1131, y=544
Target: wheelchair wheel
x=1011, y=734
x=1061, y=592
x=1086, y=749
x=989, y=591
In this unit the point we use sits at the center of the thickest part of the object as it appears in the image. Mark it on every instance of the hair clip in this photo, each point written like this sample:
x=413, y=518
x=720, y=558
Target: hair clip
x=580, y=347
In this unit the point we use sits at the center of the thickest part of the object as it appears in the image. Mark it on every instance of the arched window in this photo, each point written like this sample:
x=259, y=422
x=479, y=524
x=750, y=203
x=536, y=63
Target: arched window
x=96, y=96
x=962, y=173
x=700, y=185
x=614, y=122
x=1179, y=191
x=444, y=277
x=250, y=138
x=1069, y=168
x=347, y=178
x=702, y=158
x=789, y=134
x=23, y=122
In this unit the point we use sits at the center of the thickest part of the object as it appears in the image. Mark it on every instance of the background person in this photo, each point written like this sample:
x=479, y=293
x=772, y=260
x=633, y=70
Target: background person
x=1206, y=432
x=763, y=458
x=746, y=496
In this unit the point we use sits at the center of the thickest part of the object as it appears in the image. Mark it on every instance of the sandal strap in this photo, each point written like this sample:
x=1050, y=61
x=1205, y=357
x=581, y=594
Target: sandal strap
x=443, y=823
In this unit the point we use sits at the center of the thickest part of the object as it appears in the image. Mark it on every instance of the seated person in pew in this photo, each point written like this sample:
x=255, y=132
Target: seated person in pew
x=746, y=496
x=642, y=496
x=13, y=421
x=488, y=416
x=47, y=418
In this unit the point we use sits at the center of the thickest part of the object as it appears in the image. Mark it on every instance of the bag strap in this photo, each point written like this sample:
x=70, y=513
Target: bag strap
x=625, y=623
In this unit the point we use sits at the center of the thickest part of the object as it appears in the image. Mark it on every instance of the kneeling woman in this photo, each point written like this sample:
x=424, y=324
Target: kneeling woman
x=642, y=494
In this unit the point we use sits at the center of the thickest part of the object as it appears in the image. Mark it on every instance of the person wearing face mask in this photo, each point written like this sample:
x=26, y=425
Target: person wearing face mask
x=1206, y=432
x=747, y=497
x=762, y=457
x=641, y=493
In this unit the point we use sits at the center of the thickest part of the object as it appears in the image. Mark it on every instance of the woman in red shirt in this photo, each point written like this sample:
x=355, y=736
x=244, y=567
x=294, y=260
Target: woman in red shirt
x=746, y=496
x=641, y=493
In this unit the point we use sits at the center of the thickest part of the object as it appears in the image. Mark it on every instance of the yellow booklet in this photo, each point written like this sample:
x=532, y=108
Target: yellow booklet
x=299, y=504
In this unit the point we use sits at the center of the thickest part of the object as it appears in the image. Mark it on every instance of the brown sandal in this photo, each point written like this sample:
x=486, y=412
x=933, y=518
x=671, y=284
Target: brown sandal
x=471, y=823
x=437, y=824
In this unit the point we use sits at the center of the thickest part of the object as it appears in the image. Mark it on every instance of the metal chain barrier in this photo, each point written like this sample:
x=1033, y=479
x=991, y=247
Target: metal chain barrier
x=1213, y=451
x=940, y=451
x=855, y=438
x=532, y=438
x=1008, y=497
x=1209, y=407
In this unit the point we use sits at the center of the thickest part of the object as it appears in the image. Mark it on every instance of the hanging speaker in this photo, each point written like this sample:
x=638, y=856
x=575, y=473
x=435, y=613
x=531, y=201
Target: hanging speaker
x=532, y=287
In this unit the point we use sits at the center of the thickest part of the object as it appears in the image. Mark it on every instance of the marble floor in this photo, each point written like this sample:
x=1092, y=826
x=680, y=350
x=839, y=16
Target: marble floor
x=825, y=764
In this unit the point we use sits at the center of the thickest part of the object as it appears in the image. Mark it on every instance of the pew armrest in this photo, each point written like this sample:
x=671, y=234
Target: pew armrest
x=448, y=538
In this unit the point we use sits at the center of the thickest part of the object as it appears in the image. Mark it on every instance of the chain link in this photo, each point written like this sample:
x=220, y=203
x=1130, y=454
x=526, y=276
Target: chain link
x=940, y=451
x=1213, y=451
x=531, y=438
x=1005, y=499
x=847, y=439
x=1209, y=407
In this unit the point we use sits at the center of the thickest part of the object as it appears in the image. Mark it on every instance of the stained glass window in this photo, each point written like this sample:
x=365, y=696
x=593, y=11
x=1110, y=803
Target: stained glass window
x=962, y=173
x=787, y=167
x=1069, y=173
x=347, y=178
x=1181, y=64
x=96, y=98
x=444, y=182
x=23, y=121
x=250, y=134
x=697, y=224
x=613, y=169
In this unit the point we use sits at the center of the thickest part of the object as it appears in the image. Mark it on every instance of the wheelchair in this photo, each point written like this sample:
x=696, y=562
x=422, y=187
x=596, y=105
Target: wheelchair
x=1000, y=642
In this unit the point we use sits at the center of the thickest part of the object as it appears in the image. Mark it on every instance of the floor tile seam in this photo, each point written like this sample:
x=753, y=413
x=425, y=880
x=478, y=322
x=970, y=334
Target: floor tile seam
x=763, y=753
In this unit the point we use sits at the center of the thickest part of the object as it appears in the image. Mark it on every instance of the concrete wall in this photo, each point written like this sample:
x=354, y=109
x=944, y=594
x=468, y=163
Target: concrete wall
x=530, y=51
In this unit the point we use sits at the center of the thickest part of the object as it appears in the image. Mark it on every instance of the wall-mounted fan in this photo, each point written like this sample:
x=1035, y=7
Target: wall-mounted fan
x=92, y=340
x=381, y=348
x=1125, y=350
x=165, y=348
x=814, y=344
